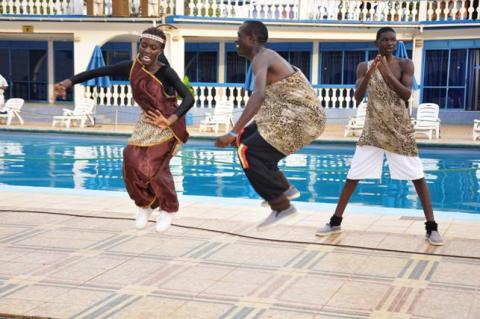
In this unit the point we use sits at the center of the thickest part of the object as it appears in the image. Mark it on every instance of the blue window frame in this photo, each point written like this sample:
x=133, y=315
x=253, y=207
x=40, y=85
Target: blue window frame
x=5, y=67
x=63, y=63
x=201, y=62
x=446, y=79
x=115, y=52
x=298, y=54
x=26, y=71
x=236, y=66
x=339, y=61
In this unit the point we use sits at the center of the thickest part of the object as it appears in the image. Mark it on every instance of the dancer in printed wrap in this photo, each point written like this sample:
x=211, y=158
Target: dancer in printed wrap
x=158, y=132
x=388, y=132
x=287, y=115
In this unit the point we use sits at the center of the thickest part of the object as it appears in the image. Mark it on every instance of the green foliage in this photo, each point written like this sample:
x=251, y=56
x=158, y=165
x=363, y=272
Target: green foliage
x=187, y=83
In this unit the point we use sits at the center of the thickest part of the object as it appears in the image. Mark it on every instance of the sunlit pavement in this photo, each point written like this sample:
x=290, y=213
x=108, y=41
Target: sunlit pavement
x=73, y=253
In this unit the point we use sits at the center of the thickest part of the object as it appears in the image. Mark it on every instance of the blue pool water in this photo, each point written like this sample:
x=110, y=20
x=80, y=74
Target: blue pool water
x=94, y=162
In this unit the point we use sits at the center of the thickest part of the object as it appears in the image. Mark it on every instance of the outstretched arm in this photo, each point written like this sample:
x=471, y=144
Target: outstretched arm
x=260, y=67
x=119, y=69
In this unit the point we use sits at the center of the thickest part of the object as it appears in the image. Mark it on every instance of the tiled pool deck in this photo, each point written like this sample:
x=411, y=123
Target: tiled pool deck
x=76, y=254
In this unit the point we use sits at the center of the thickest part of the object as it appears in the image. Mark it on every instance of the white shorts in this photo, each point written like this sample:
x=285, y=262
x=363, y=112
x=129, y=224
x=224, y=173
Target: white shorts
x=367, y=163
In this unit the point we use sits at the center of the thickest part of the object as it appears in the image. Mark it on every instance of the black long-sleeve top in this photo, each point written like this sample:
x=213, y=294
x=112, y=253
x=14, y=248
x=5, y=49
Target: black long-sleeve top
x=169, y=78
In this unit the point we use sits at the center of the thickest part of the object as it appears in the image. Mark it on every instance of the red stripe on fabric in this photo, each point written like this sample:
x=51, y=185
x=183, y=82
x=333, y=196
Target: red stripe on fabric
x=242, y=149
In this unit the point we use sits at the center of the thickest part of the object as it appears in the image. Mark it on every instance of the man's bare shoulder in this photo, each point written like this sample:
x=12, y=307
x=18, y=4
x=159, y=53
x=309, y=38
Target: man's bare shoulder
x=362, y=67
x=263, y=57
x=363, y=64
x=405, y=64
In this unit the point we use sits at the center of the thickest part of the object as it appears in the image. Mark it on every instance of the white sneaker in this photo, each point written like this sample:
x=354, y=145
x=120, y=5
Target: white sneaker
x=276, y=217
x=435, y=238
x=164, y=220
x=142, y=216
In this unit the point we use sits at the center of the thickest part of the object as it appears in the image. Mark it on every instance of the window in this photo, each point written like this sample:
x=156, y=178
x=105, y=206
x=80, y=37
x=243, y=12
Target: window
x=201, y=62
x=26, y=69
x=444, y=78
x=236, y=66
x=331, y=67
x=339, y=61
x=340, y=67
x=63, y=63
x=115, y=52
x=5, y=69
x=297, y=54
x=473, y=78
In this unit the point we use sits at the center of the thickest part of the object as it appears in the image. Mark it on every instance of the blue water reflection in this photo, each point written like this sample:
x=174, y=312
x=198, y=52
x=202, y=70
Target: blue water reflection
x=94, y=162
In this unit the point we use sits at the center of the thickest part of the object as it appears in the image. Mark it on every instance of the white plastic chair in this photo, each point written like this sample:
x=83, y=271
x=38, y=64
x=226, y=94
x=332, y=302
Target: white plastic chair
x=222, y=115
x=12, y=108
x=476, y=129
x=355, y=124
x=82, y=112
x=427, y=121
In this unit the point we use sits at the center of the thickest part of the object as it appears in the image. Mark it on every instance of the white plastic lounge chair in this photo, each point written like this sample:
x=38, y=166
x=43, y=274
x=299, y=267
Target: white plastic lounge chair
x=82, y=112
x=355, y=124
x=222, y=115
x=476, y=129
x=11, y=110
x=427, y=121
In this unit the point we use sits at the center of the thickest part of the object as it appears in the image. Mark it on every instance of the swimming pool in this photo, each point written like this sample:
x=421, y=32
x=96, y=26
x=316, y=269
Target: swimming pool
x=94, y=162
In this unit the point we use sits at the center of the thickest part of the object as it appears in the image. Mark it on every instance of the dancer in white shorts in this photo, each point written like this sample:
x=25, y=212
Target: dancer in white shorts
x=388, y=132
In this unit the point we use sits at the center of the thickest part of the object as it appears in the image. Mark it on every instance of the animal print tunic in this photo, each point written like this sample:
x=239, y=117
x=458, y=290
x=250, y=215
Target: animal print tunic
x=291, y=115
x=387, y=124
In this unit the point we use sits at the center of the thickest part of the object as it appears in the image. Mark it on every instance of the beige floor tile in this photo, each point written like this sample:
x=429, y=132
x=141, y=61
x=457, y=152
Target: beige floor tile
x=458, y=272
x=201, y=310
x=151, y=308
x=274, y=314
x=313, y=291
x=402, y=242
x=55, y=310
x=341, y=262
x=38, y=292
x=364, y=239
x=260, y=255
x=14, y=306
x=13, y=268
x=444, y=304
x=358, y=296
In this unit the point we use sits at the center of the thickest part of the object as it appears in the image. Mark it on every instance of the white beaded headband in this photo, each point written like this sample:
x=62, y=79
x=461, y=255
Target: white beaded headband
x=153, y=37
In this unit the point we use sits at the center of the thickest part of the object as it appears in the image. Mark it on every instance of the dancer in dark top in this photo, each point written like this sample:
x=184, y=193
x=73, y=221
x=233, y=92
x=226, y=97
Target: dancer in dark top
x=159, y=130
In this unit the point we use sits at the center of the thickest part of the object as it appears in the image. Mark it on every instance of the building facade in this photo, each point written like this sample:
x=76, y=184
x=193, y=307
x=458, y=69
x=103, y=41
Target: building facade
x=45, y=41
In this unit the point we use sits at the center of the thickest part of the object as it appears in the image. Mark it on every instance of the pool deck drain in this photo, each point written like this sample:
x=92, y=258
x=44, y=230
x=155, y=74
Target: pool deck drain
x=96, y=265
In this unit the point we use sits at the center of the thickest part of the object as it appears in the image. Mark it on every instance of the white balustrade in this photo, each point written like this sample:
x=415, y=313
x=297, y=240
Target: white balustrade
x=158, y=8
x=207, y=95
x=336, y=98
x=334, y=10
x=116, y=95
x=444, y=10
x=261, y=9
x=38, y=7
x=102, y=7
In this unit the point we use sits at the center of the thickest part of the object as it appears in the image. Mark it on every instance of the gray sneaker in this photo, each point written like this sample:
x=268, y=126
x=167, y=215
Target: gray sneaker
x=327, y=230
x=291, y=193
x=276, y=217
x=435, y=238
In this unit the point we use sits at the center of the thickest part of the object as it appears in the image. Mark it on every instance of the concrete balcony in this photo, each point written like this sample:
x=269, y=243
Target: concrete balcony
x=405, y=11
